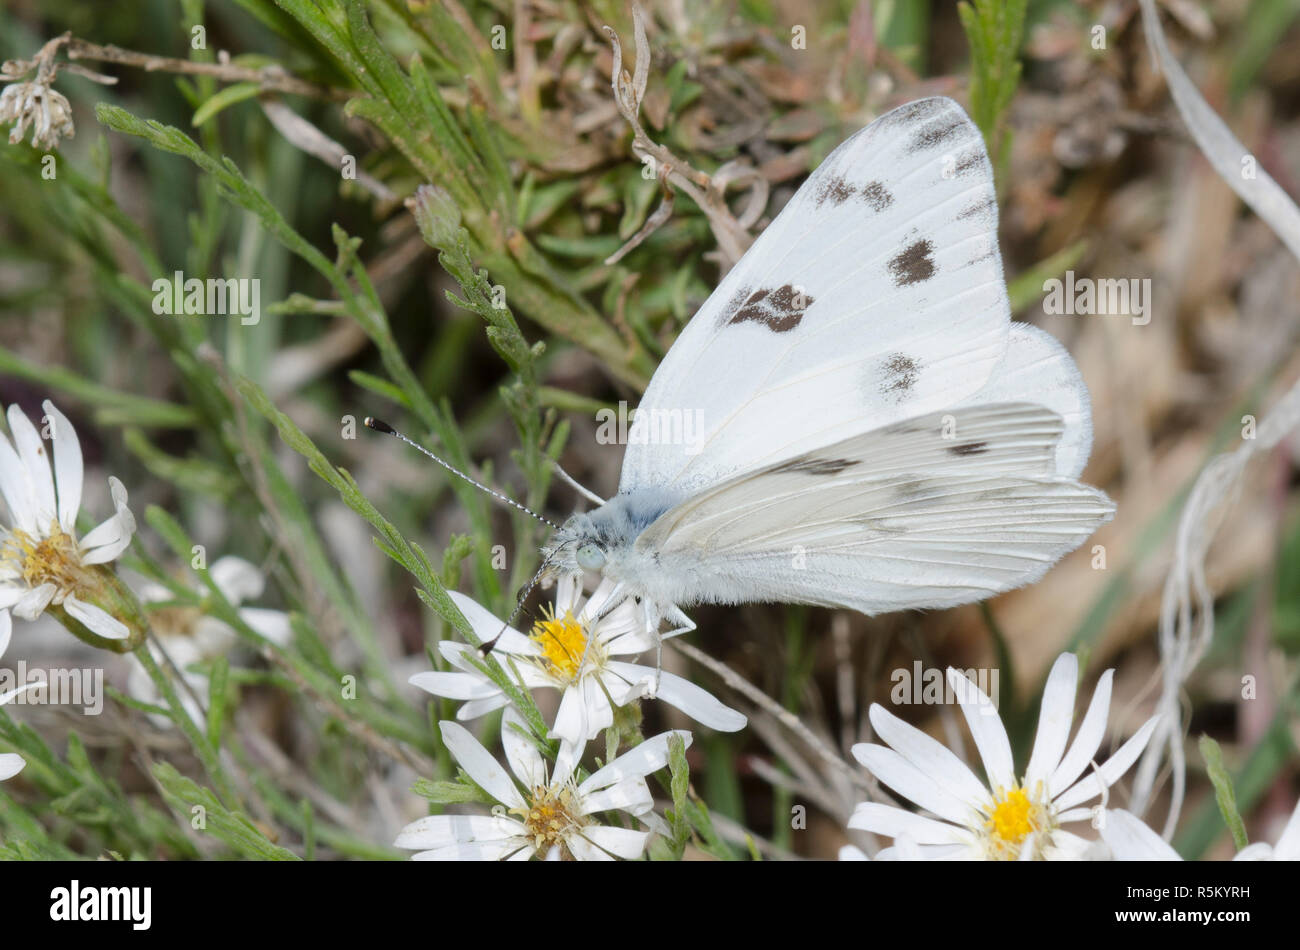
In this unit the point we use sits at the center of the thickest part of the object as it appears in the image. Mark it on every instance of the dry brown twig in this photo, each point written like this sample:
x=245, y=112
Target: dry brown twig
x=708, y=192
x=270, y=78
x=771, y=706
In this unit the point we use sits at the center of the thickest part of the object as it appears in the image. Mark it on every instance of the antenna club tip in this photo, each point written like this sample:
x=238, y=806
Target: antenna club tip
x=379, y=425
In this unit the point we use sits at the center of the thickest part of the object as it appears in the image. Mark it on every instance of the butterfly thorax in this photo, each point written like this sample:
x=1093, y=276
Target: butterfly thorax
x=605, y=539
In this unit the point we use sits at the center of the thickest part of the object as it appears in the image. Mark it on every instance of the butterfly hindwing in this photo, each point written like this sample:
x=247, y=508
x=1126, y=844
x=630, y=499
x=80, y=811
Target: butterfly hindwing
x=904, y=516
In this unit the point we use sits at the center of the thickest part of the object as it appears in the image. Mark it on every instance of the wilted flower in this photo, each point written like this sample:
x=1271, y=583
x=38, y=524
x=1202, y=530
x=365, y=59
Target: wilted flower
x=42, y=564
x=1006, y=819
x=572, y=649
x=551, y=816
x=36, y=104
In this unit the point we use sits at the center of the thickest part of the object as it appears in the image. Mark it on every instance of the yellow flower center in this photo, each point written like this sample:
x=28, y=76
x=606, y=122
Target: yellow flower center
x=565, y=645
x=550, y=816
x=50, y=560
x=1015, y=816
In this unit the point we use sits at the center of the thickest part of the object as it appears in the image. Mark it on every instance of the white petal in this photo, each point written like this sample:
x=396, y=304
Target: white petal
x=913, y=784
x=1066, y=846
x=237, y=579
x=1255, y=852
x=10, y=594
x=11, y=763
x=891, y=822
x=458, y=686
x=1091, y=784
x=69, y=471
x=1055, y=717
x=696, y=702
x=16, y=486
x=629, y=640
x=31, y=449
x=1087, y=740
x=986, y=729
x=475, y=851
x=525, y=761
x=111, y=538
x=584, y=711
x=568, y=593
x=479, y=764
x=620, y=842
x=108, y=531
x=566, y=760
x=929, y=755
x=435, y=831
x=632, y=796
x=851, y=852
x=6, y=630
x=96, y=619
x=33, y=603
x=1288, y=843
x=584, y=850
x=485, y=625
x=640, y=761
x=213, y=637
x=272, y=624
x=1131, y=840
x=481, y=707
x=626, y=682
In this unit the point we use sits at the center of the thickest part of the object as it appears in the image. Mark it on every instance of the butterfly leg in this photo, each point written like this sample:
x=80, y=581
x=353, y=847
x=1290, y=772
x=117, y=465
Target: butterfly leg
x=654, y=614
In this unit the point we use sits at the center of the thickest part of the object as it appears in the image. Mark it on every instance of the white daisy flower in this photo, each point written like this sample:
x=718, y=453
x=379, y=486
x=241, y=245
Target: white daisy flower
x=190, y=636
x=1130, y=839
x=1006, y=819
x=551, y=816
x=11, y=763
x=42, y=564
x=573, y=649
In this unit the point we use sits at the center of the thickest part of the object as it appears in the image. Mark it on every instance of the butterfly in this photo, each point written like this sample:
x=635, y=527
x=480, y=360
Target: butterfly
x=868, y=427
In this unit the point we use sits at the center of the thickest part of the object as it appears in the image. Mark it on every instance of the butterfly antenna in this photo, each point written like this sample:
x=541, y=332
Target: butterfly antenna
x=486, y=648
x=380, y=426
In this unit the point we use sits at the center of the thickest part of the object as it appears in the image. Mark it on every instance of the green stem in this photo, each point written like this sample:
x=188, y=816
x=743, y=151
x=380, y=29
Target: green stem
x=202, y=748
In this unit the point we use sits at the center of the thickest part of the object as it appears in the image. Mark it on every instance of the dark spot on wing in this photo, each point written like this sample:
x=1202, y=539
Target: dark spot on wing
x=808, y=465
x=877, y=196
x=980, y=209
x=990, y=252
x=905, y=428
x=913, y=264
x=969, y=448
x=779, y=310
x=901, y=371
x=733, y=305
x=936, y=134
x=910, y=487
x=912, y=111
x=835, y=190
x=975, y=160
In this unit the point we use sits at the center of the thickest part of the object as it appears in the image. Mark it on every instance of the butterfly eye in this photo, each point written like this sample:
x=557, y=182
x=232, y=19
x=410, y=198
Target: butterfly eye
x=591, y=557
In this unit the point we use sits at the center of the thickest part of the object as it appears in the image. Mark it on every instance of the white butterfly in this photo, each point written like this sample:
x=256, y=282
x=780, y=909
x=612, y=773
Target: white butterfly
x=873, y=431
